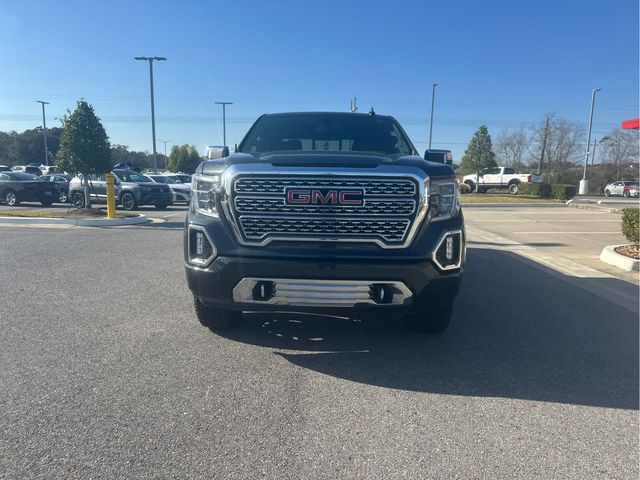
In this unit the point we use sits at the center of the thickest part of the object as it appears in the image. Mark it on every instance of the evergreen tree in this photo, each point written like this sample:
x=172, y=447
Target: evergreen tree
x=478, y=156
x=84, y=145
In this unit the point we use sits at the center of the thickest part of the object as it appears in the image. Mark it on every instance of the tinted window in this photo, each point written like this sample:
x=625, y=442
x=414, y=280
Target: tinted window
x=22, y=177
x=131, y=176
x=509, y=171
x=326, y=133
x=160, y=179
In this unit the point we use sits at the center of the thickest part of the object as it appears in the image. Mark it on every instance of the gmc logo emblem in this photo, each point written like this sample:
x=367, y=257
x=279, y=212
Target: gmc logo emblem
x=324, y=196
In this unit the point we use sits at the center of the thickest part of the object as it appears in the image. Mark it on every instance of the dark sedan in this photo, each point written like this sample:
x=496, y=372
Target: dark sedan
x=62, y=181
x=16, y=187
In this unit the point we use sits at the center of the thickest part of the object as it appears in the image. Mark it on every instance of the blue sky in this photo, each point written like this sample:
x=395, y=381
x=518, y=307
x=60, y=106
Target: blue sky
x=500, y=63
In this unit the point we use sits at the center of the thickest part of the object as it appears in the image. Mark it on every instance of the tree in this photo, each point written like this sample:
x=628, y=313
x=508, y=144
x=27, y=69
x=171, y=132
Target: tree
x=563, y=150
x=478, y=156
x=184, y=158
x=620, y=153
x=511, y=148
x=84, y=145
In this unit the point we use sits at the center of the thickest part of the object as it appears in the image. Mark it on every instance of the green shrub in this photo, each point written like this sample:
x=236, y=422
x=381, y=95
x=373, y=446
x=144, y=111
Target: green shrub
x=630, y=221
x=563, y=192
x=535, y=189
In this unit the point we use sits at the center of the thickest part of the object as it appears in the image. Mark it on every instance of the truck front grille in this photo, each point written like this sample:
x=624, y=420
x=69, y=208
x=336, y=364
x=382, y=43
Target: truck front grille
x=378, y=209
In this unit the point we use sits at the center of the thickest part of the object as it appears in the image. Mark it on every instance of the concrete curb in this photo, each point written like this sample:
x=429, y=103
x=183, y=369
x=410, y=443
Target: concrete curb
x=608, y=255
x=80, y=222
x=597, y=208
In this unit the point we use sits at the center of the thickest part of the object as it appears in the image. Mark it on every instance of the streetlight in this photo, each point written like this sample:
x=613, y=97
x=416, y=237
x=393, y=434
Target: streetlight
x=153, y=116
x=433, y=99
x=584, y=183
x=224, y=121
x=165, y=151
x=44, y=129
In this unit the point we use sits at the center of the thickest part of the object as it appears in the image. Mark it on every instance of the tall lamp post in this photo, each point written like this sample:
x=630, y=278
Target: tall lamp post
x=44, y=129
x=224, y=121
x=433, y=99
x=153, y=116
x=584, y=183
x=165, y=151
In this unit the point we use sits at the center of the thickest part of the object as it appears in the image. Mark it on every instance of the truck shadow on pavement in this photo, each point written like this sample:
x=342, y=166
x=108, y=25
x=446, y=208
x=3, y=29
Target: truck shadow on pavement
x=518, y=332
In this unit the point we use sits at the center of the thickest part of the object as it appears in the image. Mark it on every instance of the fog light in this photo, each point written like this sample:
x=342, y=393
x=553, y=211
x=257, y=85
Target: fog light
x=263, y=291
x=449, y=252
x=381, y=293
x=200, y=244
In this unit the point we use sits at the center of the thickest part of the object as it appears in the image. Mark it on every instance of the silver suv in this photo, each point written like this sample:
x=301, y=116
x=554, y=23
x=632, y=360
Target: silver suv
x=132, y=190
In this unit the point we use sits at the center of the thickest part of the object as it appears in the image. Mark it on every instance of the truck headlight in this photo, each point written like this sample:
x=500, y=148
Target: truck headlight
x=444, y=199
x=204, y=192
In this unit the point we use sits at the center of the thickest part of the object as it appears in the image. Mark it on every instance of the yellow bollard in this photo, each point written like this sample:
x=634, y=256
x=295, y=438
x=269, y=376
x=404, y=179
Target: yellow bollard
x=111, y=195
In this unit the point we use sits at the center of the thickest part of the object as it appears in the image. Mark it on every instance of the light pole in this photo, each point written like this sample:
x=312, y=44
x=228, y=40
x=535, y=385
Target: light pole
x=584, y=183
x=153, y=116
x=433, y=99
x=224, y=121
x=44, y=129
x=165, y=151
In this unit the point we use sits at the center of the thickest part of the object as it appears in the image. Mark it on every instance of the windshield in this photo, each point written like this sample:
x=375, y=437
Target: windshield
x=326, y=132
x=159, y=179
x=131, y=176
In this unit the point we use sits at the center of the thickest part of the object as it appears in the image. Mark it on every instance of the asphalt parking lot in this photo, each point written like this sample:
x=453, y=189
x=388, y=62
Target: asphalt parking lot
x=106, y=373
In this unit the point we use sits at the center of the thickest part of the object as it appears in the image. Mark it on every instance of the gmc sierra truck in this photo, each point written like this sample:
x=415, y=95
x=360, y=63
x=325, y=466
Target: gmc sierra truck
x=332, y=213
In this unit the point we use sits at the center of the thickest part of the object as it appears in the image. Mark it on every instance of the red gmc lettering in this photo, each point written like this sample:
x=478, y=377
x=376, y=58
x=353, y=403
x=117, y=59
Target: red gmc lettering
x=331, y=197
x=298, y=196
x=344, y=200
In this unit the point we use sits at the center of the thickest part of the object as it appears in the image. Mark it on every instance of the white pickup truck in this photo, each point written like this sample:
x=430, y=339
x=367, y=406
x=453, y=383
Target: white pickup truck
x=500, y=177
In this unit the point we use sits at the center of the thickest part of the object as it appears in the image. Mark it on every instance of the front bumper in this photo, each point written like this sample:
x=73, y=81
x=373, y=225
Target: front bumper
x=215, y=284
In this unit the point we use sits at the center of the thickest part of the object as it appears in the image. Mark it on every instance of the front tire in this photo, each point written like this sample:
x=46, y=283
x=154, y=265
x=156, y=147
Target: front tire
x=128, y=201
x=213, y=318
x=433, y=320
x=471, y=185
x=11, y=198
x=626, y=194
x=77, y=200
x=607, y=193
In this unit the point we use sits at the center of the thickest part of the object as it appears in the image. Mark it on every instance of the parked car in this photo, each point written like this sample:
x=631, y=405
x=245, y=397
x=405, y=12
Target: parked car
x=631, y=191
x=16, y=187
x=62, y=181
x=184, y=178
x=181, y=191
x=27, y=169
x=505, y=177
x=620, y=188
x=126, y=166
x=132, y=190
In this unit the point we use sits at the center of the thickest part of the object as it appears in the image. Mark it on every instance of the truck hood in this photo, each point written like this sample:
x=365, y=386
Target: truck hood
x=329, y=160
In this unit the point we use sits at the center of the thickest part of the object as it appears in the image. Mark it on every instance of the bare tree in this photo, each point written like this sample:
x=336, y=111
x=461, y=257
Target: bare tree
x=620, y=153
x=563, y=149
x=511, y=148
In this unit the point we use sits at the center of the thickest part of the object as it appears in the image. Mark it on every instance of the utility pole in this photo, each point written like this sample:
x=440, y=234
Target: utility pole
x=584, y=183
x=153, y=115
x=224, y=121
x=44, y=129
x=544, y=145
x=593, y=156
x=354, y=105
x=165, y=151
x=433, y=101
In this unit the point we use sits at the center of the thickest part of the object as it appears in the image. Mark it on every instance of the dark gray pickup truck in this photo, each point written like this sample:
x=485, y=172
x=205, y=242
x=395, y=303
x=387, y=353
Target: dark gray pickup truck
x=331, y=213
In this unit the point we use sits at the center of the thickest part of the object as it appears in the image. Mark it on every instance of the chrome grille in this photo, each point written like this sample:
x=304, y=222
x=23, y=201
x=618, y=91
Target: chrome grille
x=371, y=207
x=277, y=185
x=260, y=212
x=257, y=228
